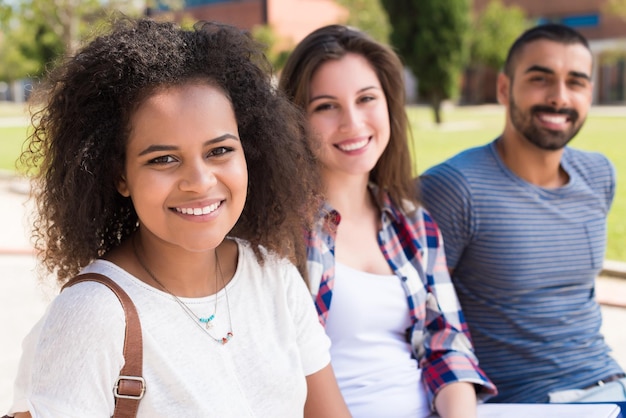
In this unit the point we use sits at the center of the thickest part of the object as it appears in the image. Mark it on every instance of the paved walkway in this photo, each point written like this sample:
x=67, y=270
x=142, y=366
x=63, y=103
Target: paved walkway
x=23, y=299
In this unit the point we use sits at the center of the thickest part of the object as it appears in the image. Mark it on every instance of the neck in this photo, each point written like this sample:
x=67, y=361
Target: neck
x=183, y=274
x=348, y=194
x=532, y=164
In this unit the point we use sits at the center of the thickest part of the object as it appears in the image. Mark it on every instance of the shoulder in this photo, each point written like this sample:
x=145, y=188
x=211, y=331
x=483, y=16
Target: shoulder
x=270, y=267
x=459, y=173
x=274, y=280
x=588, y=164
x=269, y=259
x=91, y=300
x=413, y=223
x=464, y=160
x=76, y=348
x=81, y=317
x=418, y=216
x=585, y=156
x=591, y=169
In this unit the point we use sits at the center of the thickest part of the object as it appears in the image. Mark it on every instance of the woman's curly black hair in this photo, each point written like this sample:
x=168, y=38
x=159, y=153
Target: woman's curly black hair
x=76, y=152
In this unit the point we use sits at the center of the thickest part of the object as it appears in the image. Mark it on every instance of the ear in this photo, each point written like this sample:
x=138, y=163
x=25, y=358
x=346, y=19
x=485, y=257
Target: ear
x=591, y=90
x=122, y=187
x=503, y=88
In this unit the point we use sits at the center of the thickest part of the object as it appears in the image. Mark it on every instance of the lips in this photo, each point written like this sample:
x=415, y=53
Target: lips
x=199, y=211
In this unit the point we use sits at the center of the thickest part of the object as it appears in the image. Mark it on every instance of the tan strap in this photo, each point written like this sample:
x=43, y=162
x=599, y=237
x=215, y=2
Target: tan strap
x=130, y=385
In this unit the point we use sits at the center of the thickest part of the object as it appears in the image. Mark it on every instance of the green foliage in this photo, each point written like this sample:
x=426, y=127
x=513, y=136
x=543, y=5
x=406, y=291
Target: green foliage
x=616, y=8
x=266, y=35
x=494, y=30
x=169, y=5
x=39, y=31
x=27, y=49
x=432, y=38
x=5, y=14
x=368, y=16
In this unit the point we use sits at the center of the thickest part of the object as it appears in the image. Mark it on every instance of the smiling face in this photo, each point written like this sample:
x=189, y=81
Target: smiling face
x=549, y=93
x=185, y=168
x=347, y=112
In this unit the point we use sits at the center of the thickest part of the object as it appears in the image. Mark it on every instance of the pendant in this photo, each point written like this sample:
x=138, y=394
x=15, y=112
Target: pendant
x=207, y=321
x=227, y=338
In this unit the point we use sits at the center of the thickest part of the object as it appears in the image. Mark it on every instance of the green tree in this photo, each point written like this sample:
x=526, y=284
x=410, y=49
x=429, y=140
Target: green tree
x=27, y=49
x=432, y=38
x=494, y=29
x=368, y=16
x=276, y=55
x=616, y=8
x=36, y=32
x=5, y=15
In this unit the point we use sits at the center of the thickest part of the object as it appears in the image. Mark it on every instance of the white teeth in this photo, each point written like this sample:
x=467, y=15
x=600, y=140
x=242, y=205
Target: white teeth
x=354, y=145
x=199, y=211
x=554, y=118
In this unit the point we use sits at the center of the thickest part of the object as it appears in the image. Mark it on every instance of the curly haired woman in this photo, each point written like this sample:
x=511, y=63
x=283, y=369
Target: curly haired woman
x=165, y=160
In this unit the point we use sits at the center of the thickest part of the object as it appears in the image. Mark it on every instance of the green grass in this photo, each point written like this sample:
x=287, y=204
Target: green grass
x=463, y=127
x=11, y=140
x=12, y=135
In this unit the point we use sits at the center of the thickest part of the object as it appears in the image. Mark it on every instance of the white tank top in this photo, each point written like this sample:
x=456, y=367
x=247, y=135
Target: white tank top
x=367, y=325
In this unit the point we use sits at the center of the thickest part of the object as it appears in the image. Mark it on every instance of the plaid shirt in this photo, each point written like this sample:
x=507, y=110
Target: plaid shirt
x=413, y=247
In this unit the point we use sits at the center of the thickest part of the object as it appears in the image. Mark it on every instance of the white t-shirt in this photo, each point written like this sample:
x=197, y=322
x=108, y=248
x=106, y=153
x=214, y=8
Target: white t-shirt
x=371, y=357
x=73, y=355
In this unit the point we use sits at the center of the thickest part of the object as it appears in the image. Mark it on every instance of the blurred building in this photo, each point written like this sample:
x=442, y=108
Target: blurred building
x=605, y=31
x=291, y=20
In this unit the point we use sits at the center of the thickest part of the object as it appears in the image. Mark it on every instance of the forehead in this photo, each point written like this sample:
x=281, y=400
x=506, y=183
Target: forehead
x=555, y=56
x=350, y=71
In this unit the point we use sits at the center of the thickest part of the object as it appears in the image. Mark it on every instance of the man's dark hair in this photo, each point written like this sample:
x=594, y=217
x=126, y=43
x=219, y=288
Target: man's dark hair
x=551, y=32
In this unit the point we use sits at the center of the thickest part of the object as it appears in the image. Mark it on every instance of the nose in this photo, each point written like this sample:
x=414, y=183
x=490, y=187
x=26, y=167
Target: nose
x=559, y=95
x=197, y=176
x=350, y=118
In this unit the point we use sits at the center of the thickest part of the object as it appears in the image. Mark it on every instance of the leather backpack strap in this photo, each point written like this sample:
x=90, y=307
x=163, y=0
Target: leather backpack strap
x=130, y=386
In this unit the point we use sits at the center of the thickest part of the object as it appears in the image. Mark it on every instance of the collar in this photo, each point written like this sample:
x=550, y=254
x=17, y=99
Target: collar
x=331, y=218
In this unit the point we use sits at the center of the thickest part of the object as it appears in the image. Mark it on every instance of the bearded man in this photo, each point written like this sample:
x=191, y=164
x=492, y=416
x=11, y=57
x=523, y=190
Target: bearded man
x=524, y=226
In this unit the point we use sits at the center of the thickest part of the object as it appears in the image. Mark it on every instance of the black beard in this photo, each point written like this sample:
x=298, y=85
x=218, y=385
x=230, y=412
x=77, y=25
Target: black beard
x=540, y=137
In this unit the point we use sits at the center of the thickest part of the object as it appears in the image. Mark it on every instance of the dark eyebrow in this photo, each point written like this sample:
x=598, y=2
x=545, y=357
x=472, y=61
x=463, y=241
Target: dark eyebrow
x=328, y=96
x=547, y=70
x=159, y=148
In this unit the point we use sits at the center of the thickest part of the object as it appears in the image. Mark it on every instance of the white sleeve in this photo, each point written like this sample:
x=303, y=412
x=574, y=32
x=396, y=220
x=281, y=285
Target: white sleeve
x=72, y=357
x=312, y=339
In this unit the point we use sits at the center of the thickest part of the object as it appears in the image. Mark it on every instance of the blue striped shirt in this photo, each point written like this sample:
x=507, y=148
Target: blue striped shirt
x=525, y=260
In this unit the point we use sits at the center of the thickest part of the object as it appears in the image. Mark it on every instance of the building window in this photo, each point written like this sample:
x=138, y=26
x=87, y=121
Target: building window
x=582, y=21
x=163, y=6
x=574, y=21
x=194, y=3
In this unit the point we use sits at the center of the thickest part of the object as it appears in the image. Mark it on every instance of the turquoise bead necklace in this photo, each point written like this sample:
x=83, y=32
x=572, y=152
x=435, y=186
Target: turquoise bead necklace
x=207, y=321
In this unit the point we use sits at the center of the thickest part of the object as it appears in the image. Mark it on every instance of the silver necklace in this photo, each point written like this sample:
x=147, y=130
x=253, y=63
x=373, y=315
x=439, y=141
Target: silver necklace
x=196, y=320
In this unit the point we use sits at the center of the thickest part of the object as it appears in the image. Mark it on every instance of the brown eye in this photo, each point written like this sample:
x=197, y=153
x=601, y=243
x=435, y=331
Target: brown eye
x=322, y=107
x=163, y=159
x=216, y=152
